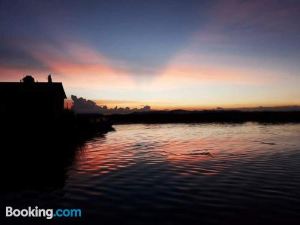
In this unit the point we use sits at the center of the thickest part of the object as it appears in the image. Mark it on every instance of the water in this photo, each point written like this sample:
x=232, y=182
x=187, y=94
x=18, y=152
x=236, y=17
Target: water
x=183, y=174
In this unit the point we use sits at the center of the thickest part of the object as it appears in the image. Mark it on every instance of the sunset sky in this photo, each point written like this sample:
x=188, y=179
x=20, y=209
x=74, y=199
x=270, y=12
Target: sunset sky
x=163, y=53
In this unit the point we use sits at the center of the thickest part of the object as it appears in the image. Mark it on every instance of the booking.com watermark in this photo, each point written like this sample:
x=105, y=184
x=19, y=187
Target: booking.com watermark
x=49, y=214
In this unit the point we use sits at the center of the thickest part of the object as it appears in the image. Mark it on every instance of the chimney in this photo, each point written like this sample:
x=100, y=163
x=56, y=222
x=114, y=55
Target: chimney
x=49, y=78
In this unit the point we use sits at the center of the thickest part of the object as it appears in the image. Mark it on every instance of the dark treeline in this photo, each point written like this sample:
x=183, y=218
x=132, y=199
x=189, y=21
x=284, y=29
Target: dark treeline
x=206, y=116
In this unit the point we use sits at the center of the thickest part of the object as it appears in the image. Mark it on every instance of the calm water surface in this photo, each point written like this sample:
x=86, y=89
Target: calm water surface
x=185, y=174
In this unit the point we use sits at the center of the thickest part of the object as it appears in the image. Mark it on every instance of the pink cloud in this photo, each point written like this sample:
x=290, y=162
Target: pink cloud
x=12, y=73
x=74, y=63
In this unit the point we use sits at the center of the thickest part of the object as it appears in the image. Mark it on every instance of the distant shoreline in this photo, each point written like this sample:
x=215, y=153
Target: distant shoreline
x=206, y=116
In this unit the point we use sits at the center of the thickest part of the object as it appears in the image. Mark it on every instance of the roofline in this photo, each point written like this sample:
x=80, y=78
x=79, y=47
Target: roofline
x=36, y=82
x=57, y=83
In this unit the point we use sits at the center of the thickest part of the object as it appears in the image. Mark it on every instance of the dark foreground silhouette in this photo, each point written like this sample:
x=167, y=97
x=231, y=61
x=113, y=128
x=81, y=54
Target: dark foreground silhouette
x=35, y=152
x=206, y=116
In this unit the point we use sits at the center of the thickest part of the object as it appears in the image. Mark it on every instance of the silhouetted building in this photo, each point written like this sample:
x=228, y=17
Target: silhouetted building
x=30, y=99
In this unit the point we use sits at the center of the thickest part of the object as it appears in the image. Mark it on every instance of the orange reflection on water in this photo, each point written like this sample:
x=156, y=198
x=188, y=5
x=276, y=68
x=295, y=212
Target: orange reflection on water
x=98, y=157
x=203, y=149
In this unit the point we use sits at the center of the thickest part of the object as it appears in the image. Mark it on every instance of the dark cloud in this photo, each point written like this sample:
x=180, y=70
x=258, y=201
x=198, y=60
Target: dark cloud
x=15, y=54
x=81, y=105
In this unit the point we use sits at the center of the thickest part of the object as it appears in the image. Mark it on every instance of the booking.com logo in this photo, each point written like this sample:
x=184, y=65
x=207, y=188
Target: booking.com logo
x=39, y=213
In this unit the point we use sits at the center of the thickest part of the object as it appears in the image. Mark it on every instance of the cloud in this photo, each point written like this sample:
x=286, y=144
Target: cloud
x=113, y=102
x=240, y=43
x=72, y=62
x=81, y=63
x=81, y=105
x=232, y=20
x=188, y=68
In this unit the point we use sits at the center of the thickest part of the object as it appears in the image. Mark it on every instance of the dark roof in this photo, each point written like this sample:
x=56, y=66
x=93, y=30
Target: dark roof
x=38, y=88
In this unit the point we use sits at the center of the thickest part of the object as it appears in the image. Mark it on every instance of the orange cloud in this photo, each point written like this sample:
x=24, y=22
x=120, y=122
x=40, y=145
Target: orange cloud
x=120, y=103
x=179, y=74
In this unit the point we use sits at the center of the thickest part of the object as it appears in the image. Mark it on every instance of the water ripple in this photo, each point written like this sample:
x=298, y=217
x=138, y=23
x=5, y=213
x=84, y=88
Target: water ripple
x=192, y=174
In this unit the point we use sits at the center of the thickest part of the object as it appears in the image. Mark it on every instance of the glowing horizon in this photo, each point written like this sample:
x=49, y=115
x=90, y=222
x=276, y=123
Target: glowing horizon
x=171, y=106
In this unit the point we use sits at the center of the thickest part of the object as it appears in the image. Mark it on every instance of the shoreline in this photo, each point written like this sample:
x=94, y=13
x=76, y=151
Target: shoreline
x=181, y=116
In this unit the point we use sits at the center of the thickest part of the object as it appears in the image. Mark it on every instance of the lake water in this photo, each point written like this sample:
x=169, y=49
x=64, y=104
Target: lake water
x=183, y=174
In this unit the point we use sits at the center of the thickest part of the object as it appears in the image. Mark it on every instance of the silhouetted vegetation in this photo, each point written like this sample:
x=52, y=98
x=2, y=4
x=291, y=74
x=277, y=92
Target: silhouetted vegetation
x=206, y=116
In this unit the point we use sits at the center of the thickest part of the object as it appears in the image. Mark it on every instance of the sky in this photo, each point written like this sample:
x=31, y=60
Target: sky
x=162, y=53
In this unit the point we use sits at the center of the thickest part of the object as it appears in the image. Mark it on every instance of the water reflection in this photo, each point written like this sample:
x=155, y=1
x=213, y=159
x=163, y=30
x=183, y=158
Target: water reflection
x=215, y=174
x=185, y=144
x=184, y=174
x=37, y=164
